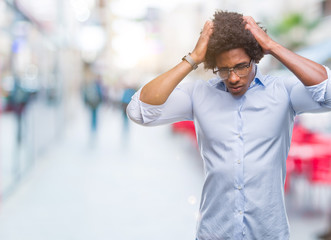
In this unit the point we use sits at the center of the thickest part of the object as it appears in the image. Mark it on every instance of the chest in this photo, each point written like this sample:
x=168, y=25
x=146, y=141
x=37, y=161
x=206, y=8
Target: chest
x=260, y=113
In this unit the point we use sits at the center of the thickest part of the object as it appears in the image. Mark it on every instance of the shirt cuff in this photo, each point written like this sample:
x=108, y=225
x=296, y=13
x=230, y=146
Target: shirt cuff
x=149, y=113
x=319, y=91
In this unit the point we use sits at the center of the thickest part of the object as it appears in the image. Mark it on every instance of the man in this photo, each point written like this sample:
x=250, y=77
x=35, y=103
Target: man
x=243, y=120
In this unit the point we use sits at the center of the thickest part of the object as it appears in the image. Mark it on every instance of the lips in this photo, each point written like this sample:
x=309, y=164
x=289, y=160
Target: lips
x=236, y=89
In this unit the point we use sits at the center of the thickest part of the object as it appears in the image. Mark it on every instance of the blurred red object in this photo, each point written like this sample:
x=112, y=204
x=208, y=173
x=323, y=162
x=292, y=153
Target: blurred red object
x=321, y=170
x=309, y=156
x=185, y=127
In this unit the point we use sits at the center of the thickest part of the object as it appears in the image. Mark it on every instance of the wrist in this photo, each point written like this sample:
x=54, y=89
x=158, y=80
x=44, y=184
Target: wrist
x=188, y=58
x=195, y=58
x=273, y=48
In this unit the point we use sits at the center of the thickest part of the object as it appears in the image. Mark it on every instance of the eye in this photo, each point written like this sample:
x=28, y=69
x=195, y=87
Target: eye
x=243, y=66
x=223, y=69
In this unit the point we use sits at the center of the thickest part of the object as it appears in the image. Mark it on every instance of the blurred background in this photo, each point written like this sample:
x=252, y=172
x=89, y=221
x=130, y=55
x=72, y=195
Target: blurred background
x=71, y=164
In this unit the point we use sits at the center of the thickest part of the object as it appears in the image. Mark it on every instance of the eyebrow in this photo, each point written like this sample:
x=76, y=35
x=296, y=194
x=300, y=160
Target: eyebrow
x=237, y=65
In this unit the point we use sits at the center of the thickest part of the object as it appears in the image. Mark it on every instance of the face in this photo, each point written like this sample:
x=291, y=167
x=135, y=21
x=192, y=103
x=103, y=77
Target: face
x=236, y=85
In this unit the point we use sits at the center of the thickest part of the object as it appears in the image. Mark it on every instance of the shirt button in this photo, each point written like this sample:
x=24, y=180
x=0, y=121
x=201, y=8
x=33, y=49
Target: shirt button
x=238, y=161
x=241, y=212
x=239, y=187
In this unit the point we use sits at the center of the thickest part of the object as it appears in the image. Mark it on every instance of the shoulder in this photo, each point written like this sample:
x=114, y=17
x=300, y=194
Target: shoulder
x=283, y=78
x=277, y=78
x=213, y=82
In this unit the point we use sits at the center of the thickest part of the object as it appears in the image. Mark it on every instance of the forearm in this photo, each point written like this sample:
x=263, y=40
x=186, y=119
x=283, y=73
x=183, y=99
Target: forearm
x=157, y=91
x=307, y=71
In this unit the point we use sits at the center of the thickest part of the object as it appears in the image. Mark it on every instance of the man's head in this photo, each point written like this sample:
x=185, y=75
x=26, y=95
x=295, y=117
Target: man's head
x=229, y=34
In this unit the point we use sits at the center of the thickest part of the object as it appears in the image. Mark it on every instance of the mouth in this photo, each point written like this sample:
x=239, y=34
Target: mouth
x=236, y=89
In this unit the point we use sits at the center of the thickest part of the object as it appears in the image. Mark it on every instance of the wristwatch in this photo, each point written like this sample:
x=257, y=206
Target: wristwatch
x=190, y=60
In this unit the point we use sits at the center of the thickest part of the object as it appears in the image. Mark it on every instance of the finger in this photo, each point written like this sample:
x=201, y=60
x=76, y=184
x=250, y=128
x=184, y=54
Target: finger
x=208, y=25
x=248, y=21
x=208, y=28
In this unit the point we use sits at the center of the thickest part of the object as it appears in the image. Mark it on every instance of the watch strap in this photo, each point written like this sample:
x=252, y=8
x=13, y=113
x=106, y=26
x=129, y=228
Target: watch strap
x=190, y=60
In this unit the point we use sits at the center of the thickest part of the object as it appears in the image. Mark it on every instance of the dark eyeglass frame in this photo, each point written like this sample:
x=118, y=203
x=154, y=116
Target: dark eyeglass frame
x=234, y=69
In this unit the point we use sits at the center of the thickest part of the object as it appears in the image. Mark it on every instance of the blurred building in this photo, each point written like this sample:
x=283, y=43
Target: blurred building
x=44, y=45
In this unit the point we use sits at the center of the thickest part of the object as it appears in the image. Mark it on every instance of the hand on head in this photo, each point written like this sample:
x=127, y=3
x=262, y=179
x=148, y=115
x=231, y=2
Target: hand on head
x=260, y=35
x=199, y=52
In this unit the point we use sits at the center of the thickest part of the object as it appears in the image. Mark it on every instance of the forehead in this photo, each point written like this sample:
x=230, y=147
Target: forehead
x=232, y=57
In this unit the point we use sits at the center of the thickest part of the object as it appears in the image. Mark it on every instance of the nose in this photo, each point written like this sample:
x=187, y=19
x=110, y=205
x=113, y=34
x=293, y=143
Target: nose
x=233, y=78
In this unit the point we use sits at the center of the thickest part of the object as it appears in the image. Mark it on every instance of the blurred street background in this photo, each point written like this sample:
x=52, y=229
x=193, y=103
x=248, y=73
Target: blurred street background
x=72, y=167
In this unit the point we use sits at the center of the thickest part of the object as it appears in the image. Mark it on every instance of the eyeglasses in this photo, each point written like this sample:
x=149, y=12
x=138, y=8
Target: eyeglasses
x=240, y=70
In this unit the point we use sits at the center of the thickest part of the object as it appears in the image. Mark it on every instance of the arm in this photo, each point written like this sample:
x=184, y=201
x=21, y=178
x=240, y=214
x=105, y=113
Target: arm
x=177, y=108
x=158, y=90
x=308, y=72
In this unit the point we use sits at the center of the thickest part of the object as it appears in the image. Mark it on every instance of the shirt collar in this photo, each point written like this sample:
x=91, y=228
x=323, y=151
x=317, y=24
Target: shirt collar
x=259, y=78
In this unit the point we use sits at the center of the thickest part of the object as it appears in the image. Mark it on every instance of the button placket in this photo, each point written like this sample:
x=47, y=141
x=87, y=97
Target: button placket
x=239, y=173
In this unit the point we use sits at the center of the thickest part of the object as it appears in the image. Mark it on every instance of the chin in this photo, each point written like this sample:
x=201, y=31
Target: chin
x=238, y=94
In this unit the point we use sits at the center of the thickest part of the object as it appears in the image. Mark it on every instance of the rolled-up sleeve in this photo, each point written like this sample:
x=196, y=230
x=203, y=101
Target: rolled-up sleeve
x=316, y=98
x=178, y=107
x=321, y=92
